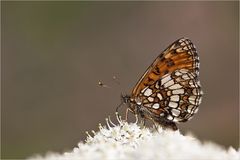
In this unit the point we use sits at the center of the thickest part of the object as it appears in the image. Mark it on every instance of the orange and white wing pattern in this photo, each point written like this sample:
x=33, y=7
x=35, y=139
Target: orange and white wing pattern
x=169, y=91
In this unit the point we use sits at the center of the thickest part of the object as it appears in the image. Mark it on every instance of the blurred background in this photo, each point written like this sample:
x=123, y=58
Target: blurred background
x=54, y=54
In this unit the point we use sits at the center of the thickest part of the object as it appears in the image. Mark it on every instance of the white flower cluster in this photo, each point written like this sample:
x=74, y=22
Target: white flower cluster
x=130, y=141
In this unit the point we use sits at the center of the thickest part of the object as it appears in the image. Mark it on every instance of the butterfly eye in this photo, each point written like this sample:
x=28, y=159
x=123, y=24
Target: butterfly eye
x=125, y=98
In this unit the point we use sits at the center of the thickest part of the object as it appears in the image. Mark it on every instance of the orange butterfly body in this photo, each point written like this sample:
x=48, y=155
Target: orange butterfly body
x=169, y=91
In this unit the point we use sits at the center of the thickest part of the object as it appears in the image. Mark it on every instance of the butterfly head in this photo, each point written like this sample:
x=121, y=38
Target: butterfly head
x=129, y=102
x=125, y=98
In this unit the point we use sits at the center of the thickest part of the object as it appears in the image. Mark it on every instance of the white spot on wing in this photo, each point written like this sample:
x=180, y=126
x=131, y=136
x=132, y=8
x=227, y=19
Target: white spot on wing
x=185, y=76
x=179, y=50
x=172, y=104
x=181, y=40
x=192, y=84
x=178, y=91
x=192, y=102
x=190, y=118
x=157, y=85
x=169, y=117
x=159, y=96
x=161, y=114
x=178, y=73
x=198, y=83
x=175, y=86
x=169, y=83
x=192, y=98
x=155, y=106
x=150, y=99
x=185, y=48
x=194, y=91
x=176, y=119
x=169, y=93
x=190, y=107
x=200, y=100
x=195, y=111
x=148, y=92
x=183, y=71
x=166, y=79
x=175, y=112
x=144, y=89
x=174, y=98
x=198, y=65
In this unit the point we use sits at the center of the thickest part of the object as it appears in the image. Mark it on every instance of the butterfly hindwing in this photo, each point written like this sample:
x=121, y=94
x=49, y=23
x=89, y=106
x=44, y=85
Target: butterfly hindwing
x=175, y=96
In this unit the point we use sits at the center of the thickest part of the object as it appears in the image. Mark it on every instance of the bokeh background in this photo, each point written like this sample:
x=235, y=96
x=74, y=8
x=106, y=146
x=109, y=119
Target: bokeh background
x=54, y=54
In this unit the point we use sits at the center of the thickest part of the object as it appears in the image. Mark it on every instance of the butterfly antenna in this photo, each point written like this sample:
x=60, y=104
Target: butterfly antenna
x=103, y=85
x=119, y=106
x=116, y=80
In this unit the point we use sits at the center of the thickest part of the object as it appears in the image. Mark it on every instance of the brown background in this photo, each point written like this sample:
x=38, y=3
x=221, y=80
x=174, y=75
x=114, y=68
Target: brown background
x=54, y=54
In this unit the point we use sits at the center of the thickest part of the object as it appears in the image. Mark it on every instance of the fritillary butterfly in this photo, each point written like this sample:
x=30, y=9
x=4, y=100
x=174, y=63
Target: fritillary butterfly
x=169, y=91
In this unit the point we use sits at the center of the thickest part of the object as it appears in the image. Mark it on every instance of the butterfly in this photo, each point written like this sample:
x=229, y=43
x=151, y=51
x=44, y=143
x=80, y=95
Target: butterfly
x=169, y=91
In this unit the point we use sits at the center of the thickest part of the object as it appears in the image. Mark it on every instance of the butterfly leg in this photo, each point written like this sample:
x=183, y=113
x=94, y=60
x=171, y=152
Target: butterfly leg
x=144, y=122
x=155, y=124
x=126, y=114
x=136, y=116
x=119, y=106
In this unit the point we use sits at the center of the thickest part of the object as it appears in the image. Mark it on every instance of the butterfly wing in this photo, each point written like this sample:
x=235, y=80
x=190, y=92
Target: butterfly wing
x=180, y=54
x=174, y=97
